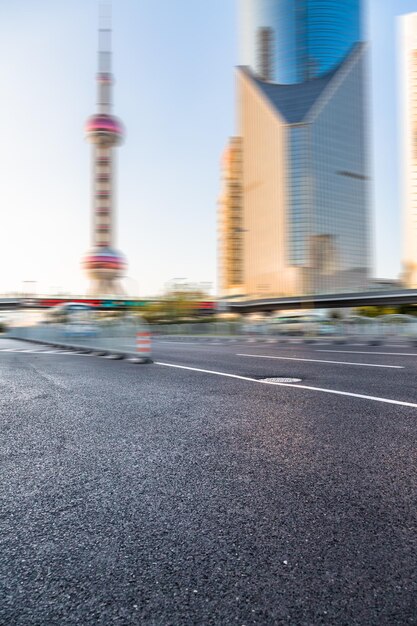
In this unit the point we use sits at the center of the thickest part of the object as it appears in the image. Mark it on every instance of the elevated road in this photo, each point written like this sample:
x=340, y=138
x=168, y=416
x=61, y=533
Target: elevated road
x=338, y=300
x=325, y=301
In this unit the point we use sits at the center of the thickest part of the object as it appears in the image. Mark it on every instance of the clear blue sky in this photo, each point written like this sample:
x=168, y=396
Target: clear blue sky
x=173, y=63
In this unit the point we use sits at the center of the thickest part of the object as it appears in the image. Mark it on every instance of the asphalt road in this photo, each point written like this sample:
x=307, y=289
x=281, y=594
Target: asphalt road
x=151, y=494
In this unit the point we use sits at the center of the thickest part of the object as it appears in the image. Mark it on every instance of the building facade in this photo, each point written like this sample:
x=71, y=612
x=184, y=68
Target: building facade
x=408, y=55
x=302, y=124
x=230, y=226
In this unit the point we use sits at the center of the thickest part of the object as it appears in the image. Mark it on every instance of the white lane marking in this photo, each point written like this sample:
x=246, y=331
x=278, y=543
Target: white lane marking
x=288, y=358
x=49, y=352
x=31, y=351
x=369, y=352
x=197, y=343
x=21, y=349
x=57, y=352
x=294, y=386
x=179, y=343
x=13, y=349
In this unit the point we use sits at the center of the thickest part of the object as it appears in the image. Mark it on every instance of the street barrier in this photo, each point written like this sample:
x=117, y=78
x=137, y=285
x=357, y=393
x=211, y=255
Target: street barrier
x=354, y=328
x=110, y=339
x=143, y=343
x=133, y=339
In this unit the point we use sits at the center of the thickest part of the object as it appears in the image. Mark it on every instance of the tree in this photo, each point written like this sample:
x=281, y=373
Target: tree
x=177, y=304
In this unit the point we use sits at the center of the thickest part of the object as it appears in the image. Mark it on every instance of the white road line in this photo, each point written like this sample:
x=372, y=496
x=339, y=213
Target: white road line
x=294, y=386
x=195, y=343
x=179, y=343
x=369, y=352
x=57, y=352
x=19, y=349
x=49, y=352
x=287, y=358
x=13, y=350
x=30, y=351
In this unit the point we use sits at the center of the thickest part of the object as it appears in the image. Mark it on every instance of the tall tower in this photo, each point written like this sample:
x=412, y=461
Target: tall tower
x=408, y=44
x=104, y=265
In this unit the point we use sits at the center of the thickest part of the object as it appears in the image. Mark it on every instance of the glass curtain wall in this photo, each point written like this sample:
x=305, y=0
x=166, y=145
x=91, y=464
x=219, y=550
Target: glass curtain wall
x=309, y=37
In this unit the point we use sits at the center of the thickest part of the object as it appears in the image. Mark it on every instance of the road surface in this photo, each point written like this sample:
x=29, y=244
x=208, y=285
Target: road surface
x=192, y=492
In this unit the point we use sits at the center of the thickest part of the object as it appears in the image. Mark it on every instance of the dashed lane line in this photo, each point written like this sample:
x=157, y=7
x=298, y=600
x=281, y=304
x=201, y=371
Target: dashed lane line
x=294, y=386
x=287, y=358
x=369, y=352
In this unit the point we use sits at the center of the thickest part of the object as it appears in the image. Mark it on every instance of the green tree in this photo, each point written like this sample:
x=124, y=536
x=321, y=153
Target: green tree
x=175, y=305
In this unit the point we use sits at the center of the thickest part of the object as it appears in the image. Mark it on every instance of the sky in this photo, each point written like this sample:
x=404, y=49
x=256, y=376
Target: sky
x=173, y=64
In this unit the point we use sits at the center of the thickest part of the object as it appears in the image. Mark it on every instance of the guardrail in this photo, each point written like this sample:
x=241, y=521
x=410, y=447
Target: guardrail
x=113, y=339
x=377, y=330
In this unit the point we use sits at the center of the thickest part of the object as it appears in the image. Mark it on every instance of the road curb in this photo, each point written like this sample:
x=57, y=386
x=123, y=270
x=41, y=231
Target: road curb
x=94, y=351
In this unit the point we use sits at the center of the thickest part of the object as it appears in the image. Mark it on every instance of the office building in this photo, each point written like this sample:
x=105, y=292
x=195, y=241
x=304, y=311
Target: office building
x=408, y=55
x=230, y=226
x=303, y=128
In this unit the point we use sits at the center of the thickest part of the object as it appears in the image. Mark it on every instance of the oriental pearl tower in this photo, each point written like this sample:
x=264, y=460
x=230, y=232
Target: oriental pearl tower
x=103, y=264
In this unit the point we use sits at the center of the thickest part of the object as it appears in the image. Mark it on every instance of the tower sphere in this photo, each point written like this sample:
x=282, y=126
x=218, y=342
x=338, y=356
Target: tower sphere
x=104, y=129
x=105, y=78
x=104, y=263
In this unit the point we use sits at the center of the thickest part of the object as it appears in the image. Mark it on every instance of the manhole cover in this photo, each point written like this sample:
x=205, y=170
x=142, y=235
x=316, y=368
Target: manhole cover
x=281, y=379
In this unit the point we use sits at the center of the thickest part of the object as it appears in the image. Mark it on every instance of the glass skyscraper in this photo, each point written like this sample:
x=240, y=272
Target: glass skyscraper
x=303, y=128
x=308, y=38
x=408, y=56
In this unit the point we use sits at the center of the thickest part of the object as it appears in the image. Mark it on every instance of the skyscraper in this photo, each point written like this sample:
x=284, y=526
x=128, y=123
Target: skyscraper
x=230, y=227
x=307, y=38
x=408, y=53
x=303, y=129
x=104, y=264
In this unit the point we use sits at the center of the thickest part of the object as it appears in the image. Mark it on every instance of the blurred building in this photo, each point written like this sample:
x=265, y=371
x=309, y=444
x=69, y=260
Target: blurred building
x=230, y=221
x=408, y=43
x=302, y=123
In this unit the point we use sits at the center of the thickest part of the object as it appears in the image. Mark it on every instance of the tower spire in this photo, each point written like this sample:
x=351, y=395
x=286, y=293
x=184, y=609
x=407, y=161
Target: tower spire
x=104, y=76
